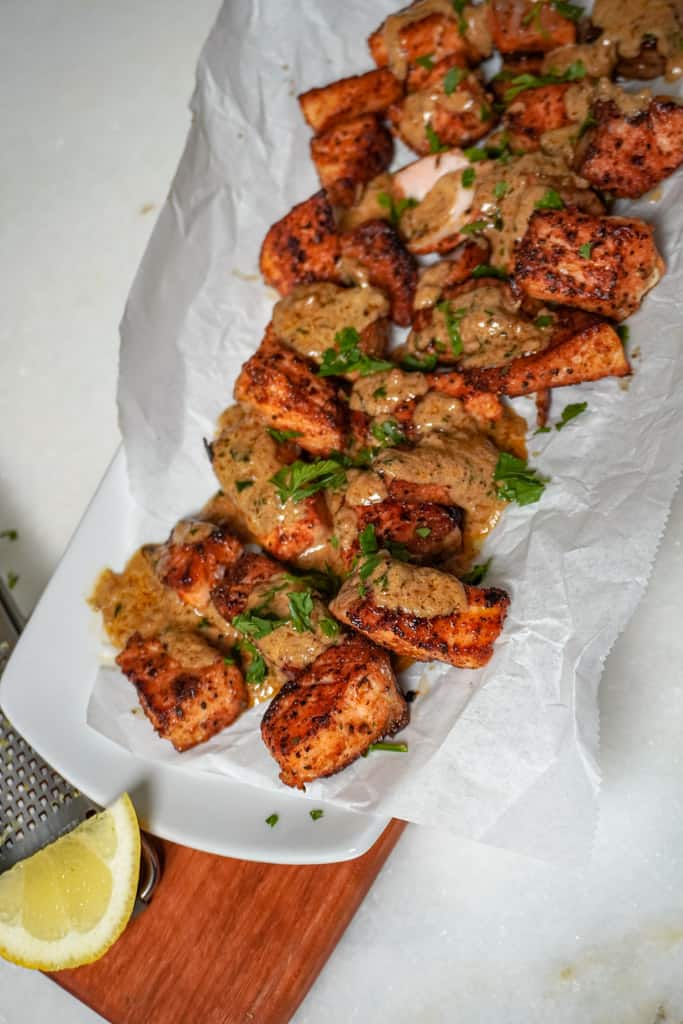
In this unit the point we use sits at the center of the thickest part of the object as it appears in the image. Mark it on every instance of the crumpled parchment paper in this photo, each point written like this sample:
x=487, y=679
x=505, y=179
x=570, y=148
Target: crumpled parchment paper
x=509, y=754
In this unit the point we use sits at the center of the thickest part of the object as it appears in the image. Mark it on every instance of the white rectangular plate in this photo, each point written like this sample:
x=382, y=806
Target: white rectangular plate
x=45, y=689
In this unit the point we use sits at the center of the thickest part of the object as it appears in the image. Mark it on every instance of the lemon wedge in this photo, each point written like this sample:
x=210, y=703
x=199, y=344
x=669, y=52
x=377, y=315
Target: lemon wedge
x=68, y=903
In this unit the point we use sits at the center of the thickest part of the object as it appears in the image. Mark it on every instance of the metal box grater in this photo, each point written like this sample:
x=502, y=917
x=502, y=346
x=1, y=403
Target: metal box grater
x=38, y=805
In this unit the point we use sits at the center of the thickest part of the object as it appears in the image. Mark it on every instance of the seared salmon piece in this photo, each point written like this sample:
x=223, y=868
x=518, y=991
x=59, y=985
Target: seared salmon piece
x=533, y=112
x=436, y=35
x=282, y=388
x=526, y=26
x=600, y=264
x=194, y=559
x=244, y=458
x=188, y=690
x=375, y=248
x=422, y=613
x=592, y=353
x=232, y=594
x=302, y=246
x=370, y=93
x=628, y=155
x=426, y=530
x=451, y=108
x=349, y=155
x=434, y=280
x=328, y=717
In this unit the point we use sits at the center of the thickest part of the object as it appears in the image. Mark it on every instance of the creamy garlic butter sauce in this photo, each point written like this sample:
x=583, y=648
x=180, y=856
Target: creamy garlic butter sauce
x=312, y=314
x=415, y=590
x=627, y=23
x=285, y=646
x=396, y=23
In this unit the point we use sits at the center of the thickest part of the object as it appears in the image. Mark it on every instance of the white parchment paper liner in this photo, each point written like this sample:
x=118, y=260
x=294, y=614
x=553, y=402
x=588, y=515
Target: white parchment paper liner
x=508, y=755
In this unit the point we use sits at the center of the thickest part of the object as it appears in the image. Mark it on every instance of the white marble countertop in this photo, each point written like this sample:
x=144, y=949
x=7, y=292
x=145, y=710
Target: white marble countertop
x=94, y=118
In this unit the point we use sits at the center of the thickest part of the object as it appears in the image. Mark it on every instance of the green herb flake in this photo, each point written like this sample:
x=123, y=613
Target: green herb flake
x=477, y=574
x=423, y=531
x=435, y=143
x=300, y=480
x=256, y=670
x=300, y=610
x=397, y=748
x=574, y=73
x=589, y=121
x=283, y=435
x=452, y=79
x=518, y=481
x=316, y=814
x=379, y=393
x=475, y=228
x=117, y=610
x=348, y=357
x=459, y=8
x=396, y=207
x=272, y=820
x=368, y=540
x=334, y=541
x=330, y=627
x=500, y=189
x=387, y=433
x=585, y=250
x=475, y=154
x=203, y=623
x=624, y=333
x=241, y=485
x=570, y=412
x=227, y=660
x=425, y=61
x=571, y=11
x=542, y=430
x=467, y=177
x=8, y=534
x=486, y=270
x=256, y=626
x=544, y=320
x=485, y=113
x=12, y=579
x=428, y=362
x=453, y=320
x=550, y=200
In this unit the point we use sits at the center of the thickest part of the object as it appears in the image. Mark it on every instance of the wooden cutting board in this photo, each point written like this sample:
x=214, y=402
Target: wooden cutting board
x=227, y=941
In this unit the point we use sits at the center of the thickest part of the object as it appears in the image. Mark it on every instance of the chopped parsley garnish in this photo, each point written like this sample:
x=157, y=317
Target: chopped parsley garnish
x=423, y=531
x=300, y=480
x=545, y=320
x=571, y=11
x=624, y=332
x=397, y=748
x=283, y=435
x=435, y=143
x=367, y=539
x=326, y=583
x=300, y=610
x=334, y=541
x=12, y=579
x=257, y=626
x=452, y=79
x=518, y=482
x=348, y=357
x=410, y=361
x=550, y=200
x=396, y=207
x=366, y=569
x=8, y=535
x=256, y=670
x=475, y=228
x=474, y=154
x=379, y=392
x=272, y=820
x=241, y=485
x=316, y=814
x=453, y=320
x=486, y=270
x=585, y=250
x=486, y=113
x=387, y=433
x=500, y=189
x=203, y=623
x=574, y=73
x=570, y=412
x=425, y=61
x=329, y=626
x=589, y=121
x=227, y=660
x=477, y=574
x=467, y=177
x=459, y=7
